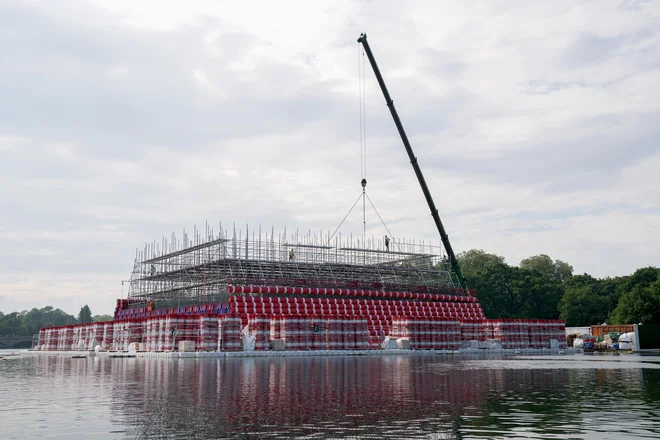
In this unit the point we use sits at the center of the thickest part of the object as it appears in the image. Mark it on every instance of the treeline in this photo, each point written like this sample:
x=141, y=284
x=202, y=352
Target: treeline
x=27, y=323
x=543, y=288
x=538, y=288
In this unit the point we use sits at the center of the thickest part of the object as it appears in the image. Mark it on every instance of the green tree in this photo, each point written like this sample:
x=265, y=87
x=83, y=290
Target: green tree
x=476, y=261
x=580, y=306
x=588, y=300
x=610, y=291
x=29, y=322
x=101, y=318
x=85, y=315
x=557, y=270
x=496, y=296
x=539, y=295
x=643, y=277
x=12, y=324
x=512, y=292
x=641, y=305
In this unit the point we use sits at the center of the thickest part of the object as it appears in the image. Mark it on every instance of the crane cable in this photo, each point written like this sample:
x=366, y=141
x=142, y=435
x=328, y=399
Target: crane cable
x=363, y=159
x=363, y=142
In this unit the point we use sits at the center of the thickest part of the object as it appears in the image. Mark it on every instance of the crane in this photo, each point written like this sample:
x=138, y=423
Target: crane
x=455, y=267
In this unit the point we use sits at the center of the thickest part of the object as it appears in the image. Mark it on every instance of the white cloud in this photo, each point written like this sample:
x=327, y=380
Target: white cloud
x=535, y=124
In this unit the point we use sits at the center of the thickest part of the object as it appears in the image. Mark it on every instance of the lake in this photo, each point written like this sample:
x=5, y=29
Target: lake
x=355, y=397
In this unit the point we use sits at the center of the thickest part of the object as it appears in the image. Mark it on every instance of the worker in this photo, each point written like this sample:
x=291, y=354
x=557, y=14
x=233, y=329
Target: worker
x=291, y=255
x=387, y=243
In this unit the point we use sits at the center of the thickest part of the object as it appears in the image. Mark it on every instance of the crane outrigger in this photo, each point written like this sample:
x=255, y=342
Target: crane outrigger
x=455, y=267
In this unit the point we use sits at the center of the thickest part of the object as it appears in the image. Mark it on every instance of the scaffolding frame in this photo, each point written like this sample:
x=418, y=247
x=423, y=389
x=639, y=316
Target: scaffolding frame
x=197, y=270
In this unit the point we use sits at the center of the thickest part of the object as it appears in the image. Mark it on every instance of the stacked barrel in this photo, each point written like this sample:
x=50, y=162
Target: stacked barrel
x=471, y=330
x=95, y=335
x=542, y=331
x=399, y=328
x=151, y=336
x=451, y=334
x=122, y=339
x=230, y=331
x=61, y=332
x=189, y=330
x=292, y=333
x=85, y=339
x=334, y=333
x=361, y=333
x=208, y=333
x=259, y=326
x=428, y=333
x=502, y=331
x=309, y=318
x=558, y=331
x=536, y=338
x=171, y=329
x=52, y=338
x=275, y=325
x=42, y=339
x=378, y=312
x=108, y=335
x=67, y=341
x=348, y=330
x=318, y=338
x=487, y=329
x=160, y=333
x=136, y=332
x=524, y=341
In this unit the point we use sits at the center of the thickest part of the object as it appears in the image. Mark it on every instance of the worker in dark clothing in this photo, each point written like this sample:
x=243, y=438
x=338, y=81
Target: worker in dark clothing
x=291, y=255
x=387, y=243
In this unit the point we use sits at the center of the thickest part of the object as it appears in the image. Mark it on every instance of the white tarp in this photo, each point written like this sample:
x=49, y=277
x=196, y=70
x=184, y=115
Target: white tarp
x=249, y=339
x=627, y=341
x=389, y=343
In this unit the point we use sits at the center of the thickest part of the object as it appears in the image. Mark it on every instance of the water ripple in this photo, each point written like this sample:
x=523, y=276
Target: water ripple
x=389, y=397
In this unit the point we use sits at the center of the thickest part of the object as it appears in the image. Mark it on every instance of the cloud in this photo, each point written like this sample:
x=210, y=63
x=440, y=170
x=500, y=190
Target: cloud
x=535, y=125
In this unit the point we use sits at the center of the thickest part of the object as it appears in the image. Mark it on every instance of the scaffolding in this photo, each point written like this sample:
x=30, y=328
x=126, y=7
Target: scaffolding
x=197, y=270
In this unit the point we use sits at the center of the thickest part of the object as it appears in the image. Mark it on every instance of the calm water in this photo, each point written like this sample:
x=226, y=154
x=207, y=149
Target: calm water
x=433, y=397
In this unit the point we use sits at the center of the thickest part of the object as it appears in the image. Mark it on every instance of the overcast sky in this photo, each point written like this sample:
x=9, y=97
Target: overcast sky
x=535, y=123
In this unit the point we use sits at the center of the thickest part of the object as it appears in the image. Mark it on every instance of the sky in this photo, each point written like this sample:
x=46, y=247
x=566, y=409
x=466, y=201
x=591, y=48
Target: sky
x=535, y=124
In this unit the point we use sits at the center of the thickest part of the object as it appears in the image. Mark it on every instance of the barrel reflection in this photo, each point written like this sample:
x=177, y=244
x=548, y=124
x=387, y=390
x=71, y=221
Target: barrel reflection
x=361, y=396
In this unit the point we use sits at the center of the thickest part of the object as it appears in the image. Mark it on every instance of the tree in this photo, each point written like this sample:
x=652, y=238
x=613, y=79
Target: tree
x=581, y=306
x=610, y=292
x=101, y=318
x=641, y=305
x=29, y=322
x=476, y=261
x=495, y=294
x=643, y=277
x=12, y=324
x=558, y=271
x=539, y=294
x=85, y=315
x=588, y=300
x=512, y=292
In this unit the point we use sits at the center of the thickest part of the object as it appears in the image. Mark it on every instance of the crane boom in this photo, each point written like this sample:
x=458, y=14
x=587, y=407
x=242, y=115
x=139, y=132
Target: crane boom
x=413, y=161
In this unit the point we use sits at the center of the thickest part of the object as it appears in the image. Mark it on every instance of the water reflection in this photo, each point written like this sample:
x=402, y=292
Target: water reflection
x=349, y=397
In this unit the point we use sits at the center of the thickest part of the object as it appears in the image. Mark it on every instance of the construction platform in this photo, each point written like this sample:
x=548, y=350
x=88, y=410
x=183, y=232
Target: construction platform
x=198, y=269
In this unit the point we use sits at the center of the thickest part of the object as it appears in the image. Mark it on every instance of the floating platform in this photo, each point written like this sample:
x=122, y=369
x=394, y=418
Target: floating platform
x=304, y=353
